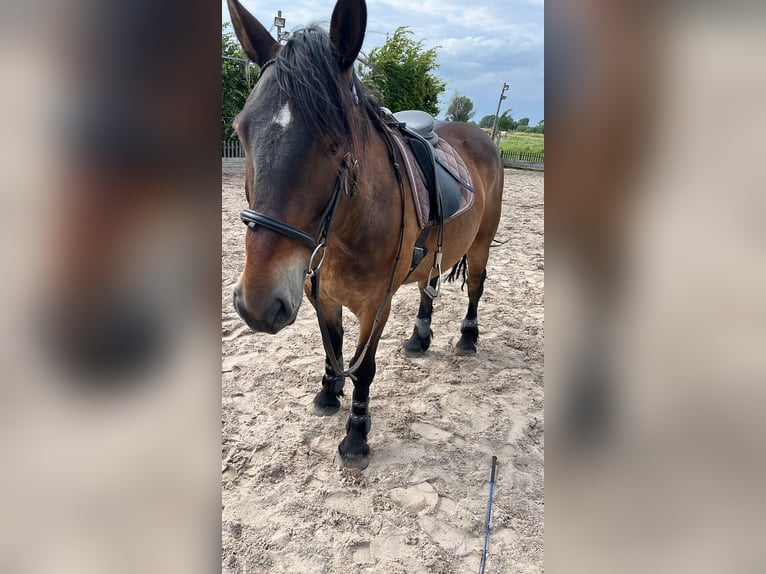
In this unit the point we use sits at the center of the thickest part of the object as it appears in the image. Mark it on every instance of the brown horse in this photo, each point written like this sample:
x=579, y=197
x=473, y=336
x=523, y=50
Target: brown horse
x=323, y=186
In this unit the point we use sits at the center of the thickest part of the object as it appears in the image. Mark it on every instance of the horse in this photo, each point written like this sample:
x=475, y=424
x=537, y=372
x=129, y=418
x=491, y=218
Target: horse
x=325, y=193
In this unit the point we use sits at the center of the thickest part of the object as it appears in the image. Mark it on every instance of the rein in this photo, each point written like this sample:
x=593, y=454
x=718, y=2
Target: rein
x=338, y=370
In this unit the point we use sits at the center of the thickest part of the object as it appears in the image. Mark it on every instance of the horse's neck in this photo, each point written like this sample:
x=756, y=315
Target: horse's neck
x=376, y=188
x=380, y=157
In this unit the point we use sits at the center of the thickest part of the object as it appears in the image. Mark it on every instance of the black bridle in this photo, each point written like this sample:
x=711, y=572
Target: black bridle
x=317, y=242
x=349, y=170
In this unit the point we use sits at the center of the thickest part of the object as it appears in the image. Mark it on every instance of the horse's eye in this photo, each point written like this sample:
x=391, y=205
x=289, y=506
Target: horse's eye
x=334, y=149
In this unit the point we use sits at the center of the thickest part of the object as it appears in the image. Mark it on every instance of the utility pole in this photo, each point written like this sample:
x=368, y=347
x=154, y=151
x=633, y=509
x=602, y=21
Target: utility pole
x=500, y=101
x=279, y=22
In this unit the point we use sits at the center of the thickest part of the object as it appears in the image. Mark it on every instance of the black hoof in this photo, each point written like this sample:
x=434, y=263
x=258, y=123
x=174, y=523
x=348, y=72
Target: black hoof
x=324, y=406
x=326, y=401
x=469, y=335
x=353, y=453
x=415, y=345
x=421, y=337
x=465, y=346
x=359, y=462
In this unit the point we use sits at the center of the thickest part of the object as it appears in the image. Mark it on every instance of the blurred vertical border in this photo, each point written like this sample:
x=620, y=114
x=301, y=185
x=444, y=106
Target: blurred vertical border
x=110, y=385
x=655, y=281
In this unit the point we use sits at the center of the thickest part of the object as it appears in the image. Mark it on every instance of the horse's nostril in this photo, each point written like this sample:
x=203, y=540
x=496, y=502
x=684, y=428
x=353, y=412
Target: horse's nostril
x=283, y=313
x=236, y=299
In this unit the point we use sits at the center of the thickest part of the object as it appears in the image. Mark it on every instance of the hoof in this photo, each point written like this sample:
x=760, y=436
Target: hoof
x=465, y=347
x=325, y=410
x=353, y=452
x=326, y=404
x=469, y=334
x=414, y=348
x=326, y=401
x=357, y=461
x=417, y=345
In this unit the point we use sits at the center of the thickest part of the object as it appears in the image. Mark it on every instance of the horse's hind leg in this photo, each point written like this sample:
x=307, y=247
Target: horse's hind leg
x=421, y=335
x=326, y=401
x=477, y=273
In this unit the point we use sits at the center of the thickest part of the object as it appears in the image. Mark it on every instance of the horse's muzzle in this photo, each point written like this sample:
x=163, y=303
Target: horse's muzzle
x=267, y=314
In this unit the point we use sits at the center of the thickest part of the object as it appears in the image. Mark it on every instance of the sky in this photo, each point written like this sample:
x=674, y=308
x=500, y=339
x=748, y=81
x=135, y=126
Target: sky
x=483, y=43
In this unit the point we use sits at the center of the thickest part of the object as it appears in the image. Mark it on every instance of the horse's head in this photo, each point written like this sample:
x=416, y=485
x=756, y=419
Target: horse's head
x=298, y=124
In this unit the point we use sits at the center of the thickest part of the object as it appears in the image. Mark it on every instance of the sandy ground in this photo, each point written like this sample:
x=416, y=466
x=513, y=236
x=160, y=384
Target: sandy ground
x=421, y=504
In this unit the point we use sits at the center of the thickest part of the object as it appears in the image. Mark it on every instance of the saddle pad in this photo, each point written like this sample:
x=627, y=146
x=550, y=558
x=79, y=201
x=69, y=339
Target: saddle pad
x=420, y=193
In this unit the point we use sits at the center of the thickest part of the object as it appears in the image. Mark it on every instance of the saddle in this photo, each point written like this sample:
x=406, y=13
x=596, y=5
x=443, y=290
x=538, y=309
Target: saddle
x=440, y=182
x=443, y=172
x=420, y=122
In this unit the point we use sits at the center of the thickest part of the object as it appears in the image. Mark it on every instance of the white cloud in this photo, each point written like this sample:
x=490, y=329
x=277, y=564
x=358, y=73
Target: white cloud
x=483, y=43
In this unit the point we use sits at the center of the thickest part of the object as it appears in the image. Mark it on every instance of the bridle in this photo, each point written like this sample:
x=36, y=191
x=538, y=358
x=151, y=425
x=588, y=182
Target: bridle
x=345, y=184
x=318, y=242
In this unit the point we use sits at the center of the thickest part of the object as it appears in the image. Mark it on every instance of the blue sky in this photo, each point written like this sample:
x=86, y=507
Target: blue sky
x=483, y=43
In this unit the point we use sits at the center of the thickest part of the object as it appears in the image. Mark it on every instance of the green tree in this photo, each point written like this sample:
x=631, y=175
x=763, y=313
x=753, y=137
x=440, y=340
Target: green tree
x=506, y=123
x=460, y=109
x=235, y=86
x=523, y=122
x=487, y=121
x=399, y=74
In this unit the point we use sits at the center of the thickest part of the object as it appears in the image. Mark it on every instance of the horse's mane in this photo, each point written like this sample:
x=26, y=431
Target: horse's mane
x=309, y=76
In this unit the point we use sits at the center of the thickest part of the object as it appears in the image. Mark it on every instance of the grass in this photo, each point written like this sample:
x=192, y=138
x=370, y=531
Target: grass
x=520, y=141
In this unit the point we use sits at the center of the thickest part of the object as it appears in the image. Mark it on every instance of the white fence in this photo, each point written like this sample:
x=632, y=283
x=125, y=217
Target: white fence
x=232, y=149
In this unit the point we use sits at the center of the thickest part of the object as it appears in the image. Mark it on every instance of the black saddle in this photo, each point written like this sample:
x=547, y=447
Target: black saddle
x=443, y=185
x=421, y=123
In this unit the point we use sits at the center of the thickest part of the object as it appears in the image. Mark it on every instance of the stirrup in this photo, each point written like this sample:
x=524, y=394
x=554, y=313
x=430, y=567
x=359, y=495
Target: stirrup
x=433, y=292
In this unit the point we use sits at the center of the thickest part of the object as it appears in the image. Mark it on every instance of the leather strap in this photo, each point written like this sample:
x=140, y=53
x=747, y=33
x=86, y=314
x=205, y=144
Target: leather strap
x=253, y=219
x=323, y=327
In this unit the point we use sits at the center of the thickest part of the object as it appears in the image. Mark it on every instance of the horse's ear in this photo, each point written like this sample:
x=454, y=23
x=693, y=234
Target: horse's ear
x=256, y=41
x=349, y=21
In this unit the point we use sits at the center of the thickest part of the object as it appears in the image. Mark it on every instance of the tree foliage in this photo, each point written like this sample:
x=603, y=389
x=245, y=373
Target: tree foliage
x=235, y=86
x=400, y=74
x=506, y=123
x=460, y=109
x=487, y=121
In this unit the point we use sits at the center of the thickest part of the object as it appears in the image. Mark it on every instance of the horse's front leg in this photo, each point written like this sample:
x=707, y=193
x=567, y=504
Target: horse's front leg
x=326, y=401
x=353, y=450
